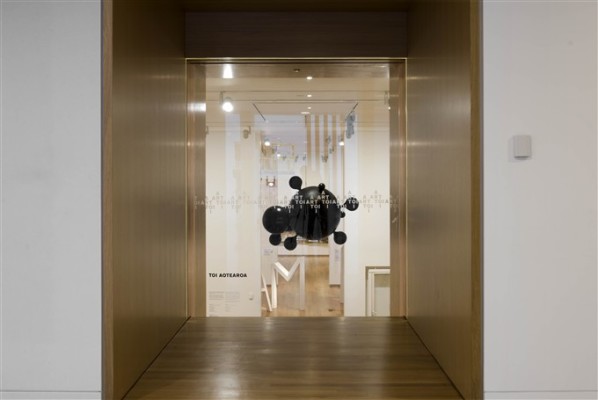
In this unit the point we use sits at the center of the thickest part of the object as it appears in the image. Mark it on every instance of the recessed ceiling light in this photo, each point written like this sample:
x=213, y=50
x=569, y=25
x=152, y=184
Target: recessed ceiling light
x=309, y=95
x=309, y=78
x=227, y=72
x=309, y=108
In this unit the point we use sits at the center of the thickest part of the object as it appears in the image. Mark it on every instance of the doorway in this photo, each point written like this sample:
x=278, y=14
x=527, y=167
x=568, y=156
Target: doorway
x=252, y=127
x=144, y=114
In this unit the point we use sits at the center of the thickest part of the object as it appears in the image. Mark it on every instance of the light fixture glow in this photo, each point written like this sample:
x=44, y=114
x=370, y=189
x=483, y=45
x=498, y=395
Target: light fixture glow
x=309, y=78
x=309, y=108
x=341, y=142
x=267, y=142
x=227, y=105
x=227, y=72
x=309, y=95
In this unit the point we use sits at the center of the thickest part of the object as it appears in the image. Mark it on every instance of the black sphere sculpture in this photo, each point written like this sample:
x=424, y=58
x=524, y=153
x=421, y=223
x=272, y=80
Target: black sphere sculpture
x=314, y=213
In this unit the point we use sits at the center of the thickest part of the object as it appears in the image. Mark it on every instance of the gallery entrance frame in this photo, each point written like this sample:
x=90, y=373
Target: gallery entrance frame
x=196, y=176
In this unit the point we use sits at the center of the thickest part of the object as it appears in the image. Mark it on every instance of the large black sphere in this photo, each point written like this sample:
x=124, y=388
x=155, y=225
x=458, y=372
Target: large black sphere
x=315, y=212
x=276, y=219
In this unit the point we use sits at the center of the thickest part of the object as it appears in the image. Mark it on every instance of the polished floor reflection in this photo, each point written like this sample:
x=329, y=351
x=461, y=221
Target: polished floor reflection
x=295, y=358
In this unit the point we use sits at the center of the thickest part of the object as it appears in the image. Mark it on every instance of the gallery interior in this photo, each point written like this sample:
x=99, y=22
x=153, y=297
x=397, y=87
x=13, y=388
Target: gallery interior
x=264, y=124
x=332, y=199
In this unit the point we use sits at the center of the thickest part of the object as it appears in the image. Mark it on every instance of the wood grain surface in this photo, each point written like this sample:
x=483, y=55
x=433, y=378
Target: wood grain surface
x=295, y=358
x=443, y=187
x=147, y=227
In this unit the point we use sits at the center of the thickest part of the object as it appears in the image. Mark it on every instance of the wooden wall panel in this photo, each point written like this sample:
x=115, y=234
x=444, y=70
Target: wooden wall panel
x=147, y=193
x=297, y=34
x=443, y=197
x=196, y=178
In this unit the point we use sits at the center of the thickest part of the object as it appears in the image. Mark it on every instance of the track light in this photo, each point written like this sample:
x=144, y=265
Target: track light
x=271, y=183
x=226, y=103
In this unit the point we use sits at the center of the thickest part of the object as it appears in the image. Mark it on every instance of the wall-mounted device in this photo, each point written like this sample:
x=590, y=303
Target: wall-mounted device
x=522, y=147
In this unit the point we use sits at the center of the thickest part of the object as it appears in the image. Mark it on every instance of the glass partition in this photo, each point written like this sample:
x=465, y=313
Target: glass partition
x=267, y=123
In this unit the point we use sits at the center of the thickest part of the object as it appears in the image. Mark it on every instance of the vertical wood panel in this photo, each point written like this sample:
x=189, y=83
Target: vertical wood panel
x=196, y=180
x=148, y=190
x=398, y=191
x=443, y=164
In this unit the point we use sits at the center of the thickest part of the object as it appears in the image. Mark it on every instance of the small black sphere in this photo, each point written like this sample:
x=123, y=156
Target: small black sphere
x=276, y=219
x=340, y=237
x=295, y=183
x=290, y=243
x=275, y=239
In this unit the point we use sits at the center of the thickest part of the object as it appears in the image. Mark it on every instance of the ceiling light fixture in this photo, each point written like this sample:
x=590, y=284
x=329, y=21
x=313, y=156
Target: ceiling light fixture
x=267, y=142
x=226, y=103
x=271, y=183
x=309, y=95
x=227, y=72
x=309, y=78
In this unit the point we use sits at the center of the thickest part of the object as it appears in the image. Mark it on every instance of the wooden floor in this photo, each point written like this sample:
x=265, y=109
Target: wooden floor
x=294, y=358
x=321, y=299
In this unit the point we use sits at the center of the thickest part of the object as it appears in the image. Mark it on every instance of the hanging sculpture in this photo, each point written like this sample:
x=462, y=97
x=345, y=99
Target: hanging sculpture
x=313, y=213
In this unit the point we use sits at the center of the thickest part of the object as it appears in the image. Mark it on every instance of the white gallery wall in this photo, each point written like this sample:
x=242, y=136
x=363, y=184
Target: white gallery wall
x=50, y=282
x=232, y=221
x=540, y=213
x=367, y=177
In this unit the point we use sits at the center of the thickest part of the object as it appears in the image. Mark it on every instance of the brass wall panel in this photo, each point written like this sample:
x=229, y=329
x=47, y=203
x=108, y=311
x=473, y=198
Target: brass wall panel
x=196, y=178
x=148, y=187
x=443, y=168
x=296, y=34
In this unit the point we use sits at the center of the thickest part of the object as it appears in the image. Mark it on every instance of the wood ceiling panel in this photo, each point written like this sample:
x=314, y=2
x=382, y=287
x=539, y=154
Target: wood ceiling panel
x=296, y=34
x=296, y=5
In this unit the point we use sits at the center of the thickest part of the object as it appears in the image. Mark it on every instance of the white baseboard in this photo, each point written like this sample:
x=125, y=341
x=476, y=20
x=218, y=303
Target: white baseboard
x=22, y=395
x=541, y=395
